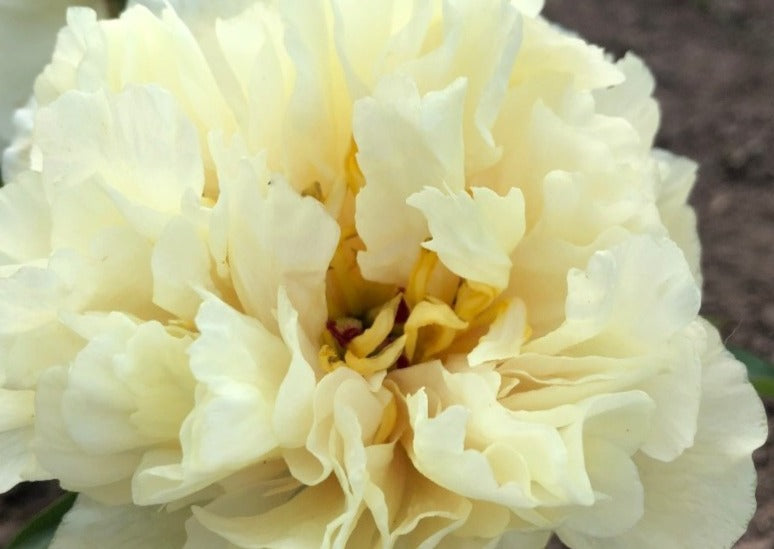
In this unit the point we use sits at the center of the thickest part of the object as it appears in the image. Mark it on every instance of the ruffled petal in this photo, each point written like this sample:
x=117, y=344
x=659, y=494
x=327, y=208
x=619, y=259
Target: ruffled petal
x=687, y=499
x=35, y=25
x=473, y=235
x=428, y=153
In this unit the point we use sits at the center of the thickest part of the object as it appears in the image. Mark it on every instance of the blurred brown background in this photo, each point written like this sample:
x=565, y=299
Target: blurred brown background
x=714, y=65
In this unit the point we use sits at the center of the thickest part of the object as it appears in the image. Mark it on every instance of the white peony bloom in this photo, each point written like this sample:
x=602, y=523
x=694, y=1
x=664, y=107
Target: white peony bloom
x=360, y=274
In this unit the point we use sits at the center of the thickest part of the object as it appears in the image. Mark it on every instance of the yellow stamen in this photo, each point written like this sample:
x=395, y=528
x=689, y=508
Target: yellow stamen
x=473, y=298
x=328, y=359
x=438, y=315
x=355, y=179
x=365, y=344
x=382, y=361
x=420, y=276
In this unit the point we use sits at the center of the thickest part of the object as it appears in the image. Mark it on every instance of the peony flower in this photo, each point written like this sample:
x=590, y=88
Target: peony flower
x=356, y=274
x=27, y=33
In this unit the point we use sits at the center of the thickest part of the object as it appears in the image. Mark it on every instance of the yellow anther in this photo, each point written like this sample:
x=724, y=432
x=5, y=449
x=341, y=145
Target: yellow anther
x=328, y=359
x=367, y=342
x=440, y=325
x=389, y=419
x=355, y=179
x=420, y=276
x=473, y=298
x=382, y=361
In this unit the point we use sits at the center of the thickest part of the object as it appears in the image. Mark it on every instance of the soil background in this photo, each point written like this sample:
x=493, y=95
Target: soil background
x=714, y=66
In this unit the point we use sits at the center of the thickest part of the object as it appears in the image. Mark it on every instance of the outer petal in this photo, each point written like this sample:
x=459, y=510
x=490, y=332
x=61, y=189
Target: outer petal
x=126, y=391
x=677, y=177
x=254, y=388
x=33, y=24
x=17, y=411
x=632, y=99
x=91, y=525
x=81, y=62
x=138, y=142
x=566, y=465
x=551, y=48
x=26, y=221
x=687, y=500
x=639, y=293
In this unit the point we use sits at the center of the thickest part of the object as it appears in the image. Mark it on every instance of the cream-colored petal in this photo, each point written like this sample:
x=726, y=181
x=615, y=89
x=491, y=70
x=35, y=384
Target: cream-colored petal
x=138, y=142
x=126, y=391
x=505, y=336
x=181, y=269
x=687, y=500
x=260, y=66
x=405, y=143
x=26, y=221
x=375, y=37
x=17, y=410
x=91, y=525
x=632, y=99
x=637, y=294
x=677, y=176
x=301, y=522
x=293, y=413
x=473, y=235
x=279, y=239
x=61, y=455
x=548, y=47
x=239, y=365
x=18, y=461
x=81, y=62
x=481, y=40
x=318, y=117
x=536, y=540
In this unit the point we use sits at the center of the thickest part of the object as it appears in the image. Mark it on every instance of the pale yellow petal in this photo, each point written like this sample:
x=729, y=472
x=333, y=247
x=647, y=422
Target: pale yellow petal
x=427, y=153
x=473, y=235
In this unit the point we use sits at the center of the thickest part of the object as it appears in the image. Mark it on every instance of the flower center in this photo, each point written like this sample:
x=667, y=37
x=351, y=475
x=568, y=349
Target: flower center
x=374, y=327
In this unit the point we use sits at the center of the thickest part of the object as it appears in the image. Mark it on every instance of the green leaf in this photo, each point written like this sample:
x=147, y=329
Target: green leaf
x=761, y=372
x=39, y=532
